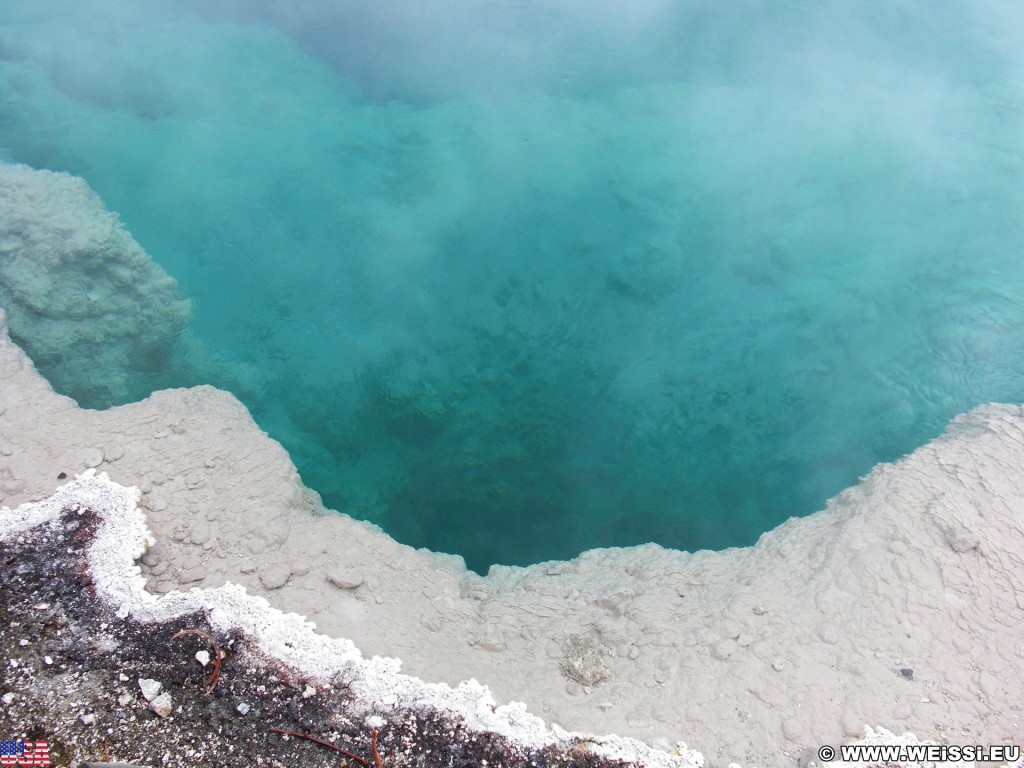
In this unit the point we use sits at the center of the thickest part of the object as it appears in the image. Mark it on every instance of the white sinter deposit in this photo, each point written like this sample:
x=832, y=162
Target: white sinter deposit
x=900, y=605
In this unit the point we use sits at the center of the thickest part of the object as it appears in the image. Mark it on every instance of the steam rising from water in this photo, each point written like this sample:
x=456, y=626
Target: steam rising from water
x=516, y=279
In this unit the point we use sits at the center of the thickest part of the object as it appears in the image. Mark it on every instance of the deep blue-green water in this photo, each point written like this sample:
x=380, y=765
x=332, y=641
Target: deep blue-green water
x=518, y=278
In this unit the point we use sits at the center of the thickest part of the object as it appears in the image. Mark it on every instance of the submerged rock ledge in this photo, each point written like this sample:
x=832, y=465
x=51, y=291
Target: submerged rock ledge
x=82, y=297
x=899, y=605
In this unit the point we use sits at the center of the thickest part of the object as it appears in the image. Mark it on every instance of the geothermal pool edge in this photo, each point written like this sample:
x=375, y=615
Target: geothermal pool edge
x=894, y=607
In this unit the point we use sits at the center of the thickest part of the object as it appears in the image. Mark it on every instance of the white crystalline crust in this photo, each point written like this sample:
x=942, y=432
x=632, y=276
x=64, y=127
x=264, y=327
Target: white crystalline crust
x=123, y=537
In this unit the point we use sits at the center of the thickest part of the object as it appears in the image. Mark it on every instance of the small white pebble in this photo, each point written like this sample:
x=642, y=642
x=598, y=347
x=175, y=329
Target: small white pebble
x=41, y=606
x=47, y=660
x=7, y=699
x=203, y=657
x=309, y=692
x=162, y=704
x=88, y=719
x=23, y=642
x=243, y=708
x=122, y=677
x=150, y=688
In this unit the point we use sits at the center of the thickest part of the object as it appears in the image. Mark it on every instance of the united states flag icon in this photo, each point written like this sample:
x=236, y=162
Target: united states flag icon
x=24, y=753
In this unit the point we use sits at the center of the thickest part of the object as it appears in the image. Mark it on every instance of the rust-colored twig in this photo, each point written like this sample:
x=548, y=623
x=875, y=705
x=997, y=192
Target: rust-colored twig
x=315, y=740
x=378, y=763
x=211, y=680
